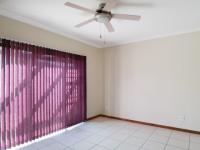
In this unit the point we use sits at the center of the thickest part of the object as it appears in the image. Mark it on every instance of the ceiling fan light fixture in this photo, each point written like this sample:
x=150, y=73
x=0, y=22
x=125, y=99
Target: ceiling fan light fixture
x=103, y=17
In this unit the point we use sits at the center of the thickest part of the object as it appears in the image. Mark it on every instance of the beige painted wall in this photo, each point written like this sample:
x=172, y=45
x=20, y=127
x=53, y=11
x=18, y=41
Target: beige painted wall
x=155, y=81
x=12, y=29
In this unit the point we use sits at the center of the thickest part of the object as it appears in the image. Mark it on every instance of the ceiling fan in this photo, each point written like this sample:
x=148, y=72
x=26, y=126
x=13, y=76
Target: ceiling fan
x=103, y=14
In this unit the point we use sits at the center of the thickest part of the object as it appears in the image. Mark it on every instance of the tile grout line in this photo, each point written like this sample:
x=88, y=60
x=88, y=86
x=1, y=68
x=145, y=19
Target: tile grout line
x=97, y=144
x=168, y=140
x=79, y=140
x=86, y=141
x=189, y=142
x=126, y=138
x=178, y=146
x=146, y=140
x=110, y=136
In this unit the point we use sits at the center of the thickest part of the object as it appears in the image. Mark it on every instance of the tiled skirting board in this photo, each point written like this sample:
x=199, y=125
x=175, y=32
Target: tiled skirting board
x=146, y=123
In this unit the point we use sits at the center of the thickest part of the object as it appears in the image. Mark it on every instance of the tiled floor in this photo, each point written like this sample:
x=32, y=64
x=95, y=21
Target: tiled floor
x=109, y=134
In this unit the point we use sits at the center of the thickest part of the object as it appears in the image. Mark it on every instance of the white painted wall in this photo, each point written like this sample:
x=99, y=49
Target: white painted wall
x=156, y=81
x=16, y=30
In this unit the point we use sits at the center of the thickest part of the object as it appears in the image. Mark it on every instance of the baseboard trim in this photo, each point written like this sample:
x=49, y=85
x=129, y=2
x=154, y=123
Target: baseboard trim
x=150, y=124
x=90, y=118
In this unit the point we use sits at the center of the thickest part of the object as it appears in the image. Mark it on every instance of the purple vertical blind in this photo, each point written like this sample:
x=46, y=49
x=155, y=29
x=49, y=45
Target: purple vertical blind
x=41, y=91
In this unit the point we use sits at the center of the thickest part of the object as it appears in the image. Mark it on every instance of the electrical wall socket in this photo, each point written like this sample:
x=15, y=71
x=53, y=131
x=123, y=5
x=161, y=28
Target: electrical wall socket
x=181, y=118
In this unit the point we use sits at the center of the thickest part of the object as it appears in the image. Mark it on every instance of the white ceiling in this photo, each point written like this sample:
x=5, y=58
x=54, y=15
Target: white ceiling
x=159, y=18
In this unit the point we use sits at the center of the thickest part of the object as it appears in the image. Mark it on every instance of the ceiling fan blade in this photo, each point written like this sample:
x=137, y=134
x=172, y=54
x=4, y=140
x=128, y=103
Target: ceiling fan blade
x=85, y=22
x=126, y=17
x=72, y=5
x=109, y=27
x=110, y=4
